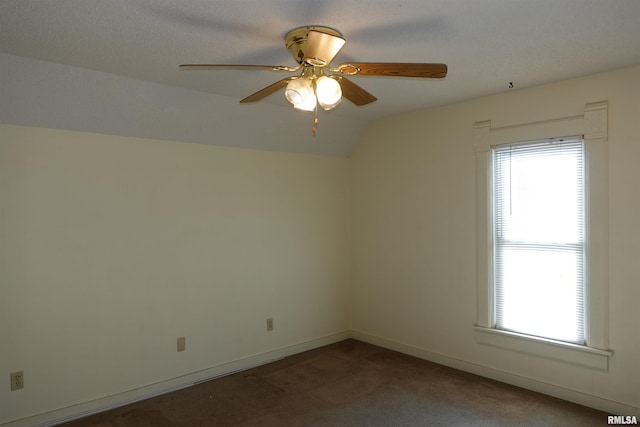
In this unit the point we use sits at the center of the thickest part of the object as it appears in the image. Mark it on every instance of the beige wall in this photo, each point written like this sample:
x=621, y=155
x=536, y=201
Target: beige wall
x=112, y=247
x=413, y=232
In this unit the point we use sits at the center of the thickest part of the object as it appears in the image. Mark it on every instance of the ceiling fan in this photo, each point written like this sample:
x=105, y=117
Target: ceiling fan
x=313, y=48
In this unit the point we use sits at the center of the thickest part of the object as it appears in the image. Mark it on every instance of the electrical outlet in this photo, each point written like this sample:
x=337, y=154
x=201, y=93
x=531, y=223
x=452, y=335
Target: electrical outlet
x=270, y=324
x=182, y=344
x=17, y=380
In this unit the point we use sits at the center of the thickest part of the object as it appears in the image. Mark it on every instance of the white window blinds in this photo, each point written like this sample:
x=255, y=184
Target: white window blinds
x=539, y=238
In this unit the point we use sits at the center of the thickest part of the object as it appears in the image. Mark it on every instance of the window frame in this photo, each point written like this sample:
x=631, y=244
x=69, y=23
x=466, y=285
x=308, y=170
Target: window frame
x=502, y=156
x=593, y=126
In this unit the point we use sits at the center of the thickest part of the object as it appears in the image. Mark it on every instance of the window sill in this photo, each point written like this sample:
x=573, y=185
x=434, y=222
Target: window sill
x=573, y=354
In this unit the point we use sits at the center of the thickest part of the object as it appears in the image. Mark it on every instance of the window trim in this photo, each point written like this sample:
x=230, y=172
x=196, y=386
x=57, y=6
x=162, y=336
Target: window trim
x=573, y=354
x=593, y=125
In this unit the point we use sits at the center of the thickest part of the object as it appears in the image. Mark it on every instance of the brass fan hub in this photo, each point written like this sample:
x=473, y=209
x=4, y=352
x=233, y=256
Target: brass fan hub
x=296, y=40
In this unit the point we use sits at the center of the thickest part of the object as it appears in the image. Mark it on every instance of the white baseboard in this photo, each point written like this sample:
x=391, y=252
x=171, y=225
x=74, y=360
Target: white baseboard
x=570, y=395
x=110, y=402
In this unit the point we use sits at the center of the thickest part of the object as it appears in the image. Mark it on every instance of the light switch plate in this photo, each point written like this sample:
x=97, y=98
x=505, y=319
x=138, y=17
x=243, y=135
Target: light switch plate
x=182, y=344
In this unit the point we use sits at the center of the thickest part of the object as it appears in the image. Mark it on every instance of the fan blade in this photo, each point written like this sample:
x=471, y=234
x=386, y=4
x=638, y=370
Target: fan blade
x=321, y=47
x=264, y=92
x=237, y=66
x=353, y=92
x=394, y=69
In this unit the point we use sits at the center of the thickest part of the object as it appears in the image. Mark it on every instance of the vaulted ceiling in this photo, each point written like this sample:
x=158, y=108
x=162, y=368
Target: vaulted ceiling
x=489, y=45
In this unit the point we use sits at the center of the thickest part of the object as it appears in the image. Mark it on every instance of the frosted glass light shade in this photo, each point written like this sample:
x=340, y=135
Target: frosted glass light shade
x=309, y=103
x=328, y=92
x=299, y=92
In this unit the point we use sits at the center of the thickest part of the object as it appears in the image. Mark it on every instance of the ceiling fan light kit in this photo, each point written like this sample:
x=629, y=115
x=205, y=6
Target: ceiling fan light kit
x=313, y=48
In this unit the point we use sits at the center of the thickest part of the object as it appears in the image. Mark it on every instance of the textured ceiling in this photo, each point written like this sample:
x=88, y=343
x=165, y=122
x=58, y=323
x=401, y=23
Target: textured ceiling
x=486, y=44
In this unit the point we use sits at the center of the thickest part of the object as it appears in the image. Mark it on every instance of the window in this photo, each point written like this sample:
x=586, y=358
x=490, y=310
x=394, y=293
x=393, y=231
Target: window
x=538, y=202
x=507, y=228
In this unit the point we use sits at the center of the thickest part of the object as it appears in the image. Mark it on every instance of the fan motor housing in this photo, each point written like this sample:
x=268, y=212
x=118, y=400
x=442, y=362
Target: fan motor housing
x=296, y=40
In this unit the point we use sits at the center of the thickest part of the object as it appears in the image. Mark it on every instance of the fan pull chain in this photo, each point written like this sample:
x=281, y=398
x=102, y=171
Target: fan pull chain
x=314, y=129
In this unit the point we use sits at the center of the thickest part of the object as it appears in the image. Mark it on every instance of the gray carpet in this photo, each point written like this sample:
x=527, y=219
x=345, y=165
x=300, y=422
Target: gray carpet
x=349, y=384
